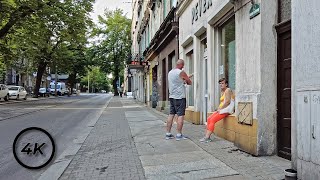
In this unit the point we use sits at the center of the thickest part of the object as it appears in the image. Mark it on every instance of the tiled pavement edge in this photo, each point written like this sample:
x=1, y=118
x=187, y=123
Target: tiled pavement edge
x=109, y=151
x=249, y=167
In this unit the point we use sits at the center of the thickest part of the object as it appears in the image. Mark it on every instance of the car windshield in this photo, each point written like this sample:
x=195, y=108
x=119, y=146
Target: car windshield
x=52, y=86
x=13, y=88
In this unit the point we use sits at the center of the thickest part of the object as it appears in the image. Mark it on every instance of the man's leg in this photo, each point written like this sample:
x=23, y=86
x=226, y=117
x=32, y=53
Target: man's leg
x=181, y=107
x=169, y=123
x=180, y=124
x=170, y=119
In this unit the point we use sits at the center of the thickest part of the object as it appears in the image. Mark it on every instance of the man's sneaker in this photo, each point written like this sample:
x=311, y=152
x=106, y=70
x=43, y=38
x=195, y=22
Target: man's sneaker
x=205, y=140
x=181, y=137
x=169, y=136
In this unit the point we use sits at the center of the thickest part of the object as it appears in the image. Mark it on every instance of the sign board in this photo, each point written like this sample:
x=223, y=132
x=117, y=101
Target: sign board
x=245, y=115
x=200, y=8
x=221, y=70
x=254, y=10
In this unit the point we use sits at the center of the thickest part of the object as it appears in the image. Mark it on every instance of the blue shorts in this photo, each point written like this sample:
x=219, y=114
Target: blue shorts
x=178, y=106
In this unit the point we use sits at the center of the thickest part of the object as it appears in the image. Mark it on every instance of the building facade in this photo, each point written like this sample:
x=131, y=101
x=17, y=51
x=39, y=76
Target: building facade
x=154, y=50
x=306, y=89
x=236, y=40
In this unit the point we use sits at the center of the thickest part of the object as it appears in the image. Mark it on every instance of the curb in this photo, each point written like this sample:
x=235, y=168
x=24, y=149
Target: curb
x=58, y=167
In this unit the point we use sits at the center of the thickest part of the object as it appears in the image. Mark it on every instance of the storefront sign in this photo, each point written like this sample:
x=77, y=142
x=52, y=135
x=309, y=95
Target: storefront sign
x=254, y=11
x=201, y=7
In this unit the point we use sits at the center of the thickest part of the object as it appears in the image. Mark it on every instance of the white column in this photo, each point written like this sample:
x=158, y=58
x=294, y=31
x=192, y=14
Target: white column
x=197, y=63
x=211, y=67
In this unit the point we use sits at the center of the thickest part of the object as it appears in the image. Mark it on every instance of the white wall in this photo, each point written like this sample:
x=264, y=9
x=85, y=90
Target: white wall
x=305, y=87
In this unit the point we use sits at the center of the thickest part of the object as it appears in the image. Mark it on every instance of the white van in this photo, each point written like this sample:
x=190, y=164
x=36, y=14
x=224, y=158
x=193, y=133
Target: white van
x=61, y=88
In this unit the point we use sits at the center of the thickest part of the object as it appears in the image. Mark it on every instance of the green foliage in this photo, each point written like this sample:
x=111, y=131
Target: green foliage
x=2, y=69
x=115, y=42
x=45, y=33
x=97, y=79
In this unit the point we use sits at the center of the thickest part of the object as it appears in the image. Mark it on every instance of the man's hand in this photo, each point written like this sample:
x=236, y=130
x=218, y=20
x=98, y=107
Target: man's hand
x=190, y=76
x=185, y=77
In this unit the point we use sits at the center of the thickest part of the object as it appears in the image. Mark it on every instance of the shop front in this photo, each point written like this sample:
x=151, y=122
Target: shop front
x=225, y=39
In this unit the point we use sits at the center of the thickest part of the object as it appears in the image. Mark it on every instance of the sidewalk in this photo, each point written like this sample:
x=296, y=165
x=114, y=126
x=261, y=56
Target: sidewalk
x=128, y=142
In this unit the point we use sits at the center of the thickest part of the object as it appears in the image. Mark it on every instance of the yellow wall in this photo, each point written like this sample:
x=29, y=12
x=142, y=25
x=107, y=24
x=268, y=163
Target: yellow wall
x=243, y=136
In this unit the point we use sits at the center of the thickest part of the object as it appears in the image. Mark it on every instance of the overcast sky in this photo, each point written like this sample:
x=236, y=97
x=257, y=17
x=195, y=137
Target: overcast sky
x=101, y=5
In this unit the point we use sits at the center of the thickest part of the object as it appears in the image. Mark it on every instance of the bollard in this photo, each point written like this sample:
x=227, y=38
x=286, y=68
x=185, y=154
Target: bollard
x=290, y=174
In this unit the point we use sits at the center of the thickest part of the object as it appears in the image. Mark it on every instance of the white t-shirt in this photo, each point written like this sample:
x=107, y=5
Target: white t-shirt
x=177, y=90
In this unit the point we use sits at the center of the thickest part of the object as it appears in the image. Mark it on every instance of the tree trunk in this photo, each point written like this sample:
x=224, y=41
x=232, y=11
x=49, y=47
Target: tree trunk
x=41, y=68
x=115, y=89
x=71, y=81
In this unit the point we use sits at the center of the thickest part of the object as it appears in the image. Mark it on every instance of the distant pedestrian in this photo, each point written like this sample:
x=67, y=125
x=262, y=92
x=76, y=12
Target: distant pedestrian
x=177, y=79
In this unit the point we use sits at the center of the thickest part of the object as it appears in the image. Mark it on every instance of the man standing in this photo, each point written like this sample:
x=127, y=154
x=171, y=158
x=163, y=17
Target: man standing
x=177, y=94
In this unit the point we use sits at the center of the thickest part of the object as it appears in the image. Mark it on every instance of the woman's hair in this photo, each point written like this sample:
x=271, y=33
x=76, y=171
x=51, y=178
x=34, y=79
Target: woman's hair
x=223, y=79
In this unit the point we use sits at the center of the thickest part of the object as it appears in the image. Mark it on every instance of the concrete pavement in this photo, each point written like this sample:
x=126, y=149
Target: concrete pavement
x=128, y=142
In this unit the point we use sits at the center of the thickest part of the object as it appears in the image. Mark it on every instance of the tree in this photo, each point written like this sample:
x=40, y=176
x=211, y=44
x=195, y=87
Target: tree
x=97, y=79
x=2, y=70
x=115, y=43
x=48, y=35
x=14, y=12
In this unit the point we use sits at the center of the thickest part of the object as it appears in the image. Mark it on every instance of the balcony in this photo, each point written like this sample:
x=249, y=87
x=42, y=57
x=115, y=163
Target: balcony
x=168, y=30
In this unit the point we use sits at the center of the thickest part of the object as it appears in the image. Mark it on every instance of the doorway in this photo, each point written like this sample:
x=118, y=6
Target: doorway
x=284, y=90
x=204, y=77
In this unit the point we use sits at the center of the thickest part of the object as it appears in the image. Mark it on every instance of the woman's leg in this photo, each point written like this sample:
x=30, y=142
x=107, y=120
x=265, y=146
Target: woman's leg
x=215, y=117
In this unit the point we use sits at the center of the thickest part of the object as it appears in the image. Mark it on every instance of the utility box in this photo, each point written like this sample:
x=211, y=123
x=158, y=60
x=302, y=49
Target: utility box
x=315, y=127
x=308, y=126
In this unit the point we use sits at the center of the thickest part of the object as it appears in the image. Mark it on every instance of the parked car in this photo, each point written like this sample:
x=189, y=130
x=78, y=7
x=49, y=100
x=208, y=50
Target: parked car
x=4, y=92
x=17, y=92
x=44, y=92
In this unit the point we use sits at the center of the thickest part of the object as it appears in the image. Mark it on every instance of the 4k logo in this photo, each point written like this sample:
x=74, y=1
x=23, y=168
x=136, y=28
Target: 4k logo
x=33, y=146
x=36, y=149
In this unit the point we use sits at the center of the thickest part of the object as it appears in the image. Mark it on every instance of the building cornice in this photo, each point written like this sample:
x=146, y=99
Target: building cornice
x=182, y=7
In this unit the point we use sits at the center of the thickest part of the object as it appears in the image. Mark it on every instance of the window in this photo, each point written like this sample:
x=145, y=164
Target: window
x=228, y=53
x=164, y=9
x=190, y=70
x=173, y=3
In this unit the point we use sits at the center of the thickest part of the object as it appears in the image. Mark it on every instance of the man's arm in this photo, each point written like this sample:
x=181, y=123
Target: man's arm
x=185, y=77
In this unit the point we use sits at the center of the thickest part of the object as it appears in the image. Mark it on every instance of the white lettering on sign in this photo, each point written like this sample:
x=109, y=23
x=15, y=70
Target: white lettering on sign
x=201, y=7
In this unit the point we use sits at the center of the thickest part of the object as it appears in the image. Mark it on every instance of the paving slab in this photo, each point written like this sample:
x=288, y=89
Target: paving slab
x=171, y=159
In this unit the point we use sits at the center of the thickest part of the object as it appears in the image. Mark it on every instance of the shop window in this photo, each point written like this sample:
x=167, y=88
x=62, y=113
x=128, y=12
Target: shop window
x=228, y=52
x=190, y=61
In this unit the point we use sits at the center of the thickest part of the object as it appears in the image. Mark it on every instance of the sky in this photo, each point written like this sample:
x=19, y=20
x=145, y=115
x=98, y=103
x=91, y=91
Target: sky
x=101, y=5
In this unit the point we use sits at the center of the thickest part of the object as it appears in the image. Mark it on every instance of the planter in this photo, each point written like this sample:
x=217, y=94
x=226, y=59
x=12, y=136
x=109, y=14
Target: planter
x=290, y=174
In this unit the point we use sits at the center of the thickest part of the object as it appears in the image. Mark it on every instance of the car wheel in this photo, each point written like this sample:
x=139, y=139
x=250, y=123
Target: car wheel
x=25, y=98
x=17, y=96
x=6, y=98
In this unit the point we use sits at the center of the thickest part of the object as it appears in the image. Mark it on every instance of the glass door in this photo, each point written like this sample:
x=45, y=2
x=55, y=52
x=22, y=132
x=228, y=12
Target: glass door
x=204, y=74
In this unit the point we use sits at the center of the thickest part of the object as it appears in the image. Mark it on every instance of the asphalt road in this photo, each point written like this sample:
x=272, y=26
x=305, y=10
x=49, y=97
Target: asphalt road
x=65, y=118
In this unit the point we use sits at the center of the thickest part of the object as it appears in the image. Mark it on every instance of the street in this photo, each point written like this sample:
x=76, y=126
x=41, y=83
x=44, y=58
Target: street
x=104, y=137
x=65, y=118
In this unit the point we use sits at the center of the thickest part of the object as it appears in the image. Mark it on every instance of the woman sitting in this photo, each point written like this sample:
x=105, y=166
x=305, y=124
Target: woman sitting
x=225, y=109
